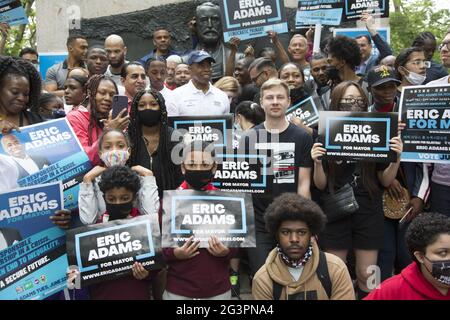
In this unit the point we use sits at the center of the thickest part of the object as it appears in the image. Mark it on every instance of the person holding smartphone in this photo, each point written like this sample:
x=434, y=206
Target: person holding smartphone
x=91, y=118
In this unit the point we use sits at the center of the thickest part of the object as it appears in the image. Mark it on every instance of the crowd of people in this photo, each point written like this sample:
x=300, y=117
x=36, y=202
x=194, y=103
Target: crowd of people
x=302, y=252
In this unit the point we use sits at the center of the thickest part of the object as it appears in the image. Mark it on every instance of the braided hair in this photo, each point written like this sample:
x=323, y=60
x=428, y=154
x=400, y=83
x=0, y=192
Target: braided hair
x=165, y=170
x=22, y=68
x=91, y=90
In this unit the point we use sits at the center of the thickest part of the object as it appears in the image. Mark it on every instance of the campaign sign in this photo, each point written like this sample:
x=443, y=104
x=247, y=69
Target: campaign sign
x=247, y=19
x=48, y=59
x=33, y=260
x=243, y=173
x=426, y=112
x=305, y=110
x=327, y=12
x=211, y=129
x=355, y=8
x=47, y=152
x=228, y=216
x=12, y=12
x=108, y=251
x=384, y=33
x=359, y=135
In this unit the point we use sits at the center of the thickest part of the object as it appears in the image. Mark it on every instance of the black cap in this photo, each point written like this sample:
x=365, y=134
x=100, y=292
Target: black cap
x=380, y=75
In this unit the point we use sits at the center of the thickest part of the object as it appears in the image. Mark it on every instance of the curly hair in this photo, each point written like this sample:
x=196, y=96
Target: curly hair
x=120, y=177
x=345, y=48
x=424, y=231
x=19, y=67
x=293, y=207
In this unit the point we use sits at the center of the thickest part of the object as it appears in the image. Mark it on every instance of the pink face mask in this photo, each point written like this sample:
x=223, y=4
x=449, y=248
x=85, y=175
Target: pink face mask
x=115, y=158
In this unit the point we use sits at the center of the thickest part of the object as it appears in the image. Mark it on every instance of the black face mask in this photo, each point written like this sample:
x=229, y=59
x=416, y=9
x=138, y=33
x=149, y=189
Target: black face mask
x=440, y=271
x=150, y=118
x=198, y=179
x=333, y=73
x=119, y=211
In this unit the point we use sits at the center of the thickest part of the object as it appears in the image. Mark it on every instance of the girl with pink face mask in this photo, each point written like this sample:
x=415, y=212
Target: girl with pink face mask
x=114, y=150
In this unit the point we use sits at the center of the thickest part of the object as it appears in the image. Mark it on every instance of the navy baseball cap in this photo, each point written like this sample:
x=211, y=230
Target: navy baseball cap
x=199, y=56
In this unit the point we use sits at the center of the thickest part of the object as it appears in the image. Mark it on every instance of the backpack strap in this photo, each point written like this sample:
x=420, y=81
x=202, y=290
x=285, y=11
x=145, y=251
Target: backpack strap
x=323, y=274
x=277, y=289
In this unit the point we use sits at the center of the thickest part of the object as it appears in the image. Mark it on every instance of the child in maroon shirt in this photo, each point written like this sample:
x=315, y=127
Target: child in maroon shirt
x=198, y=273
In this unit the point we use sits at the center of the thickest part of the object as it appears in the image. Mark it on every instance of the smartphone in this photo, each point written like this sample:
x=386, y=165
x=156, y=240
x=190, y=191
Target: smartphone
x=119, y=103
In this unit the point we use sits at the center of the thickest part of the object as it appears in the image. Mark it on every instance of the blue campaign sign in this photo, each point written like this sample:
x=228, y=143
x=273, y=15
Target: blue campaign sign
x=384, y=33
x=327, y=12
x=47, y=60
x=33, y=262
x=47, y=152
x=12, y=12
x=252, y=18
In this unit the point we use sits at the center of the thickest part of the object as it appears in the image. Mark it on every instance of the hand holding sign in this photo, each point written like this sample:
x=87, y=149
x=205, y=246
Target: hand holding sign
x=62, y=218
x=370, y=23
x=188, y=250
x=4, y=29
x=7, y=126
x=216, y=248
x=139, y=271
x=317, y=152
x=396, y=145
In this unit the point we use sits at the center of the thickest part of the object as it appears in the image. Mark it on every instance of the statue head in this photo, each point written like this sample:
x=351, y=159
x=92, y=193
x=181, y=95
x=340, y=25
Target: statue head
x=209, y=24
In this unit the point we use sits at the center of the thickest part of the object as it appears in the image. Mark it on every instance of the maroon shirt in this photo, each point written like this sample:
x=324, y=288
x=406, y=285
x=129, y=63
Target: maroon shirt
x=203, y=276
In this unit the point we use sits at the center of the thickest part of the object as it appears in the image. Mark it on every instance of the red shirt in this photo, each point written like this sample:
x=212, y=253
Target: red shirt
x=410, y=284
x=203, y=276
x=79, y=119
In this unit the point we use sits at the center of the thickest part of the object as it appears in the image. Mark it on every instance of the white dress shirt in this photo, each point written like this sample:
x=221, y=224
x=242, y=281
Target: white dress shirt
x=190, y=101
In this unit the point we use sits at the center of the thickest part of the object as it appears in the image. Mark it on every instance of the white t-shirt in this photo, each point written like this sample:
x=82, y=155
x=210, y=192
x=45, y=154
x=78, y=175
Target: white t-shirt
x=190, y=101
x=439, y=82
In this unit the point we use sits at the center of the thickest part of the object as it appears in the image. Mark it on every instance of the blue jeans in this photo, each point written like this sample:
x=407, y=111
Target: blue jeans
x=439, y=199
x=394, y=256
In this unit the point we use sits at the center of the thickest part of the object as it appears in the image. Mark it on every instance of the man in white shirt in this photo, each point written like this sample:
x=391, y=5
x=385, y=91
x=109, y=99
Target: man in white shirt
x=199, y=97
x=26, y=165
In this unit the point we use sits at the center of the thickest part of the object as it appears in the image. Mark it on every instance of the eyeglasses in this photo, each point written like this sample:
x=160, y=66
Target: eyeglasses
x=358, y=101
x=419, y=63
x=444, y=44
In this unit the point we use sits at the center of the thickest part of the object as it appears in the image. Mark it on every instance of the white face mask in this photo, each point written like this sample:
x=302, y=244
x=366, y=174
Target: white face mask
x=415, y=79
x=115, y=158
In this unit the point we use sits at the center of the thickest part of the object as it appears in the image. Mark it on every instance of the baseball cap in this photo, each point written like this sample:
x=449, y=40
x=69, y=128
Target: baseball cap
x=199, y=56
x=380, y=75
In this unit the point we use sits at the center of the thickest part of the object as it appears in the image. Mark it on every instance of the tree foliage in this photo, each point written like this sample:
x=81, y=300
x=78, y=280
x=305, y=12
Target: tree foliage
x=412, y=17
x=24, y=35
